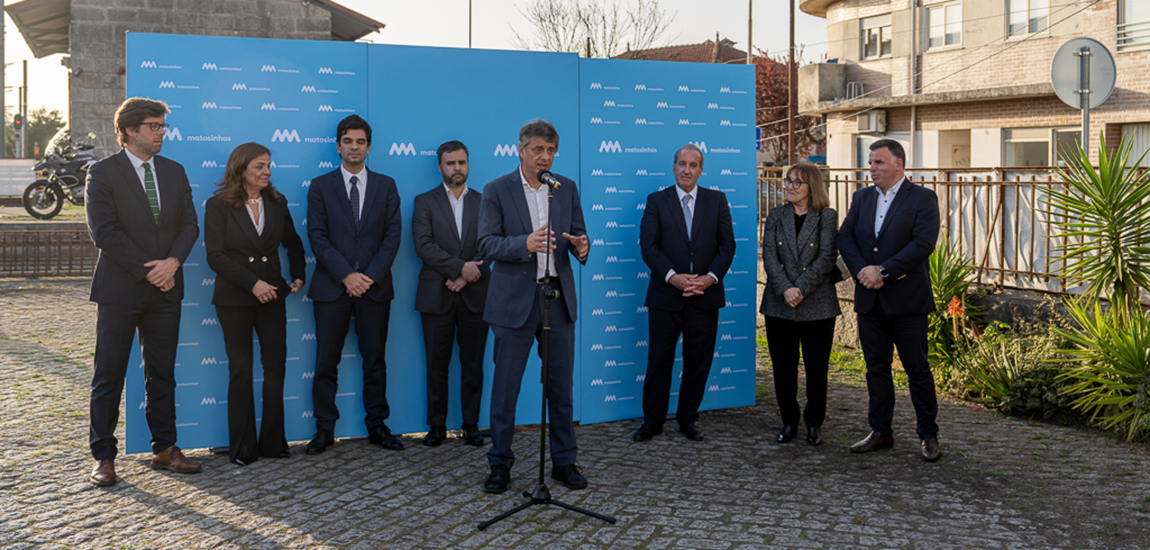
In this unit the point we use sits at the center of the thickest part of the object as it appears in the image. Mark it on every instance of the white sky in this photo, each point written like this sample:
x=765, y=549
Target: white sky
x=445, y=23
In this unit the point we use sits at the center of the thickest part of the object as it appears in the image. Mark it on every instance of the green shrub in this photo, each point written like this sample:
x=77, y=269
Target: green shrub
x=1109, y=376
x=949, y=327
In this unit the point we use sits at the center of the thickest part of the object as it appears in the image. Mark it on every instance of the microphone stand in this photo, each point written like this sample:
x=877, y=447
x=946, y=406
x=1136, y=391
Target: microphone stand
x=542, y=495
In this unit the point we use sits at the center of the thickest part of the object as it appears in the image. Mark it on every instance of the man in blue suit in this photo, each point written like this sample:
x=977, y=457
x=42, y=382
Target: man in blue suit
x=354, y=226
x=515, y=231
x=688, y=241
x=886, y=240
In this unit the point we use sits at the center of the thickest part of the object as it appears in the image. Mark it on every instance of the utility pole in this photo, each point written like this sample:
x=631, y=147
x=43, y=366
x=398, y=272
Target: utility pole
x=24, y=112
x=468, y=23
x=3, y=102
x=791, y=77
x=750, y=29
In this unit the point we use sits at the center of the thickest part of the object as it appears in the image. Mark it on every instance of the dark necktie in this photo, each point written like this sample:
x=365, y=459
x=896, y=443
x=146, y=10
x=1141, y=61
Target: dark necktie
x=152, y=192
x=355, y=200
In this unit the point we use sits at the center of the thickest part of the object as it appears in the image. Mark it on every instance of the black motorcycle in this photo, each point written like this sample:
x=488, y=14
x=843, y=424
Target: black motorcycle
x=60, y=175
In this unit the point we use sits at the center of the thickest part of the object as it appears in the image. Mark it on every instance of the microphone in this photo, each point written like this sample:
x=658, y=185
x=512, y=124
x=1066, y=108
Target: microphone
x=544, y=176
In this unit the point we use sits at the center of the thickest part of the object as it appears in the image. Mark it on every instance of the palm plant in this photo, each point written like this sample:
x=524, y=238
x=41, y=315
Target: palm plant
x=1110, y=379
x=1104, y=213
x=950, y=274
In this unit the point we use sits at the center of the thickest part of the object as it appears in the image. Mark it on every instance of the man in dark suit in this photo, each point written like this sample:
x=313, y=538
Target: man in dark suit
x=886, y=240
x=140, y=215
x=354, y=226
x=688, y=240
x=451, y=293
x=515, y=232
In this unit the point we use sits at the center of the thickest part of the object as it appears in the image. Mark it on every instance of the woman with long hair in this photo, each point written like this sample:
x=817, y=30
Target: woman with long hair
x=245, y=223
x=799, y=303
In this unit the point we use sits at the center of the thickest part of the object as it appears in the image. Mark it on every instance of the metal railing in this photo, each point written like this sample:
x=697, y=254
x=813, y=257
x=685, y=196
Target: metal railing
x=67, y=253
x=997, y=217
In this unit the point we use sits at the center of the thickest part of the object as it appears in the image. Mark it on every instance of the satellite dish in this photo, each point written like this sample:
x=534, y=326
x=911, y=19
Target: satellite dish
x=1065, y=69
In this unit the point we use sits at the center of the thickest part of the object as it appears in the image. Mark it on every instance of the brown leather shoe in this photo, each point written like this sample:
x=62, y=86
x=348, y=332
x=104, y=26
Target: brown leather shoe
x=173, y=460
x=873, y=442
x=104, y=473
x=931, y=452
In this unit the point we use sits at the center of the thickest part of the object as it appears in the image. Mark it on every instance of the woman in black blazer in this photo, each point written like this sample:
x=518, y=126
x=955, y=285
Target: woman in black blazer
x=245, y=223
x=799, y=303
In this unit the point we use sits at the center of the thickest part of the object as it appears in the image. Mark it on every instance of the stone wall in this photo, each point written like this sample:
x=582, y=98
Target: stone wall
x=96, y=85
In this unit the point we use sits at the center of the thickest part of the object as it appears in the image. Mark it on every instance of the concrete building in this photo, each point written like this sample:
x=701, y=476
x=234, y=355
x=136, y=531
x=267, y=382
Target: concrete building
x=92, y=35
x=966, y=83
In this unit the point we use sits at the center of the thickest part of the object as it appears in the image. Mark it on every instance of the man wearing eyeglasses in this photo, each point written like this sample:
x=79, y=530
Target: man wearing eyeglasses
x=140, y=215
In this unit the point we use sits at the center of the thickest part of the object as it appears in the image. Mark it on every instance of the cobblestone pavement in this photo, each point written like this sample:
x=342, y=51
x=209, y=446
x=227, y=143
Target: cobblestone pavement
x=1004, y=483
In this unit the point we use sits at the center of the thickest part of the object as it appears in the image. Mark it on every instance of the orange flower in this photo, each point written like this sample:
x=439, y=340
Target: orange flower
x=955, y=308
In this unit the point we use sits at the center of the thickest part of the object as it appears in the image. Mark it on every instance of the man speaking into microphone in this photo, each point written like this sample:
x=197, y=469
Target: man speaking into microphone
x=515, y=233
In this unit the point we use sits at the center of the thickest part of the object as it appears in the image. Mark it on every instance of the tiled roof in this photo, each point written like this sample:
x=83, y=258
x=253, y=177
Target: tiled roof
x=707, y=52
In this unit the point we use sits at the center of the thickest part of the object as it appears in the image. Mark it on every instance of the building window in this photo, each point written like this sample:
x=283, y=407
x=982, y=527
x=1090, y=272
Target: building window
x=876, y=36
x=1133, y=25
x=1027, y=147
x=1027, y=16
x=945, y=26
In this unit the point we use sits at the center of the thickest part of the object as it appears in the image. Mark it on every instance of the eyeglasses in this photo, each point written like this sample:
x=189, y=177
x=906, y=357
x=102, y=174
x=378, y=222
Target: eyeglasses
x=793, y=184
x=156, y=126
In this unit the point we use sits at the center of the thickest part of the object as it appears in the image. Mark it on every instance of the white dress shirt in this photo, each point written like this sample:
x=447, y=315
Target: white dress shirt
x=258, y=221
x=360, y=183
x=456, y=207
x=694, y=202
x=138, y=164
x=883, y=206
x=537, y=207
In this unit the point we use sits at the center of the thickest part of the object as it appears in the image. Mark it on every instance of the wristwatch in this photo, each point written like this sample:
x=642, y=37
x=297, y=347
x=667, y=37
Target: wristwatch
x=882, y=272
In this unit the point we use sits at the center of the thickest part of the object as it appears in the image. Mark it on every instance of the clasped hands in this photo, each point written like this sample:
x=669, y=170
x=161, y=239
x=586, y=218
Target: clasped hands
x=163, y=273
x=870, y=278
x=691, y=285
x=469, y=274
x=357, y=283
x=265, y=292
x=538, y=241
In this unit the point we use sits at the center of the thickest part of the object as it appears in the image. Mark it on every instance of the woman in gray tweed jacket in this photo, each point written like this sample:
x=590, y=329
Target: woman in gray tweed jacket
x=799, y=302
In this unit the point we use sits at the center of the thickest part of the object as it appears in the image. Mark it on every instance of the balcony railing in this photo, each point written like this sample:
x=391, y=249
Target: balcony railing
x=1134, y=36
x=998, y=217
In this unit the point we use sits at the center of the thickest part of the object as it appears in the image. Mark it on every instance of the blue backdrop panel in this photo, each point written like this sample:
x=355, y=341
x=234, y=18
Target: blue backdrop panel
x=289, y=96
x=634, y=116
x=420, y=98
x=627, y=118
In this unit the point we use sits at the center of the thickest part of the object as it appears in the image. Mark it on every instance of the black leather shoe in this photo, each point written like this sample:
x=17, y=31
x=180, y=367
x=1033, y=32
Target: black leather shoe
x=569, y=476
x=646, y=431
x=435, y=436
x=318, y=444
x=692, y=431
x=873, y=442
x=382, y=436
x=813, y=435
x=471, y=435
x=931, y=452
x=786, y=435
x=498, y=480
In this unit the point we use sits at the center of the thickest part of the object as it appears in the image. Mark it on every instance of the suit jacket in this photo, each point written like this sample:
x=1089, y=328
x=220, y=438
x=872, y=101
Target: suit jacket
x=504, y=224
x=121, y=224
x=664, y=240
x=444, y=252
x=241, y=257
x=340, y=249
x=804, y=261
x=903, y=246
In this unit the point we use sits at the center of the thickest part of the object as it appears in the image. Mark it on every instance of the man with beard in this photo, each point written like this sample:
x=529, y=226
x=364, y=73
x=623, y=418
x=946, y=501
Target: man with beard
x=452, y=290
x=140, y=215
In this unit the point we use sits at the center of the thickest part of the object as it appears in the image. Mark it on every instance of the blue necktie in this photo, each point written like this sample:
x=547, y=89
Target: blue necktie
x=355, y=200
x=687, y=213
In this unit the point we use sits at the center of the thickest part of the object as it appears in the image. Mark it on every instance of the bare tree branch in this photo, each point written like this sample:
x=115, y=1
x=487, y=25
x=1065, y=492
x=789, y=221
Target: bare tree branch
x=565, y=25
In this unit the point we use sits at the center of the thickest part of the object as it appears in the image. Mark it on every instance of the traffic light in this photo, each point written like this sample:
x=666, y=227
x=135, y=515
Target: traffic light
x=18, y=122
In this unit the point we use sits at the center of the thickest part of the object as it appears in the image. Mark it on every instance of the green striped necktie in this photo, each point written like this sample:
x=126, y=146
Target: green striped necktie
x=153, y=194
